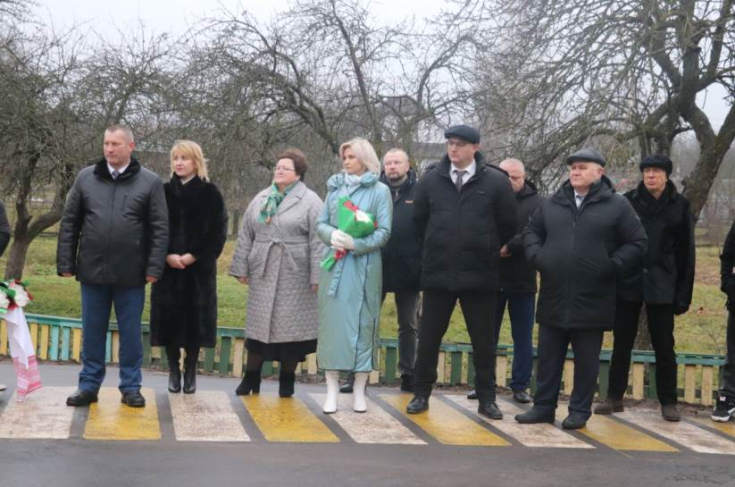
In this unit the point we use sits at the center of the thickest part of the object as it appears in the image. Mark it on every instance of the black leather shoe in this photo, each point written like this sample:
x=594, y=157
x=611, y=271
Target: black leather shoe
x=574, y=422
x=174, y=380
x=418, y=404
x=472, y=394
x=670, y=413
x=133, y=399
x=535, y=416
x=81, y=397
x=407, y=383
x=190, y=380
x=521, y=396
x=348, y=386
x=490, y=410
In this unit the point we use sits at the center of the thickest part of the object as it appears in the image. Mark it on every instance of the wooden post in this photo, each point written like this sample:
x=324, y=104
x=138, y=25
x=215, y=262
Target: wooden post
x=568, y=376
x=501, y=370
x=639, y=373
x=690, y=372
x=707, y=373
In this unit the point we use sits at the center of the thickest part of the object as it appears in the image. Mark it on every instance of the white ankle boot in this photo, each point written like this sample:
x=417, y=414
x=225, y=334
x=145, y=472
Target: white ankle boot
x=358, y=394
x=330, y=405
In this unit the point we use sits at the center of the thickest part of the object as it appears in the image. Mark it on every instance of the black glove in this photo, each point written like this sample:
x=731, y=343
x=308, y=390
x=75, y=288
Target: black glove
x=680, y=308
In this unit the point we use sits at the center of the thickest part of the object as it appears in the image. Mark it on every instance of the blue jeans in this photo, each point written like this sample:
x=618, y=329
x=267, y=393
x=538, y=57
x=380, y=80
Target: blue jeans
x=97, y=302
x=521, y=308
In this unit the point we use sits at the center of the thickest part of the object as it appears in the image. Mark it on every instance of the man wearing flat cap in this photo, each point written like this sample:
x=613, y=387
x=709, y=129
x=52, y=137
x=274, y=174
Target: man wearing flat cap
x=464, y=211
x=580, y=240
x=664, y=283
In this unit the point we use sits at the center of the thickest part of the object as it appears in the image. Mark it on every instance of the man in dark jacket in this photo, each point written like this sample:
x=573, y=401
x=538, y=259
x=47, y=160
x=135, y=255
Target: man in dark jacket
x=465, y=212
x=725, y=406
x=4, y=240
x=402, y=259
x=664, y=283
x=580, y=240
x=518, y=284
x=114, y=238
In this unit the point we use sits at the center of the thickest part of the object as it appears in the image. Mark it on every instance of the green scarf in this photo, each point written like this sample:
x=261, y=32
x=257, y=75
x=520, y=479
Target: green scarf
x=269, y=208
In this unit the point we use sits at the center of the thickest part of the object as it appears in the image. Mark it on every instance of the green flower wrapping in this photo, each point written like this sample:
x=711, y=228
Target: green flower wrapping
x=354, y=222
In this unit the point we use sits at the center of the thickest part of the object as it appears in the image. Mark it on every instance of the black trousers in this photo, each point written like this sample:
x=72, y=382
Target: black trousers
x=727, y=387
x=552, y=351
x=661, y=329
x=478, y=308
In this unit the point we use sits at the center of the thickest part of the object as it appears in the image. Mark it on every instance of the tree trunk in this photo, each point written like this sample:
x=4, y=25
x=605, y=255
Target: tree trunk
x=17, y=257
x=235, y=221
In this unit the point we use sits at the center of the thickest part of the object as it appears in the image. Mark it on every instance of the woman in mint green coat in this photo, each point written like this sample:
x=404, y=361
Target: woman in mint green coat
x=350, y=293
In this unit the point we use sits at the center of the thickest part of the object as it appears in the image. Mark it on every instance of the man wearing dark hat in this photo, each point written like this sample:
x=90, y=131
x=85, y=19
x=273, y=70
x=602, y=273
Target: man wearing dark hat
x=664, y=283
x=580, y=240
x=465, y=212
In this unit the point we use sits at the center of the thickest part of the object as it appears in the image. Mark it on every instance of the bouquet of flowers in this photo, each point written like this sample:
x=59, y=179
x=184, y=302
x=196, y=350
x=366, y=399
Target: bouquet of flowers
x=13, y=298
x=354, y=222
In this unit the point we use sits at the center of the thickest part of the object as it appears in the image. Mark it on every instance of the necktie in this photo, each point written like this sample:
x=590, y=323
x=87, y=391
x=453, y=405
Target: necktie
x=579, y=199
x=459, y=181
x=115, y=174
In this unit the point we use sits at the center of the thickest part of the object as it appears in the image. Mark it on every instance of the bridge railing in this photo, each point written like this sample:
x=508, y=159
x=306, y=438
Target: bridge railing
x=59, y=339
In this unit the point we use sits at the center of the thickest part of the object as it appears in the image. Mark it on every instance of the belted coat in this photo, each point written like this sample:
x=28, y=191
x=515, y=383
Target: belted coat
x=281, y=260
x=350, y=293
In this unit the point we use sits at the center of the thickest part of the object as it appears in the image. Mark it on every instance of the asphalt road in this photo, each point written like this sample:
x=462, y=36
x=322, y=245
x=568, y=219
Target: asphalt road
x=261, y=460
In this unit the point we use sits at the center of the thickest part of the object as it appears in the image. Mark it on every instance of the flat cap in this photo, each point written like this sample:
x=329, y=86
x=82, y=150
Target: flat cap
x=587, y=155
x=464, y=132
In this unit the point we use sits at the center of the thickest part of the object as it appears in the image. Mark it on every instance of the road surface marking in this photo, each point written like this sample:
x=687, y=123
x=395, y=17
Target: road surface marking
x=446, y=424
x=109, y=419
x=205, y=416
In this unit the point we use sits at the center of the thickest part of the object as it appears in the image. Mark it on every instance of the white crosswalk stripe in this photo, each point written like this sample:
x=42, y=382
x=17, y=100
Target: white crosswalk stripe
x=531, y=435
x=43, y=415
x=375, y=426
x=688, y=435
x=205, y=416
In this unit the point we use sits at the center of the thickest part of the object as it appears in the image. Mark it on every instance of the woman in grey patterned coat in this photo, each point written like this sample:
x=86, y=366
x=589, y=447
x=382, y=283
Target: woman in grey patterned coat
x=278, y=255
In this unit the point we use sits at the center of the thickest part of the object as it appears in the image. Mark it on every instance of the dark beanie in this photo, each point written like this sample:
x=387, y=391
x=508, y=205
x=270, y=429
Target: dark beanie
x=587, y=155
x=464, y=132
x=657, y=160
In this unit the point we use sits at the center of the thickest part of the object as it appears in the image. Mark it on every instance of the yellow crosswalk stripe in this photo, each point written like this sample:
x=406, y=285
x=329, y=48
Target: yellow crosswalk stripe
x=287, y=420
x=727, y=428
x=445, y=423
x=111, y=420
x=621, y=437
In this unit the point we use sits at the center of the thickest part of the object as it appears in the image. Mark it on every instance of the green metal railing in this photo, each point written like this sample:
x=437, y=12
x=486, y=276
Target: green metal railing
x=60, y=339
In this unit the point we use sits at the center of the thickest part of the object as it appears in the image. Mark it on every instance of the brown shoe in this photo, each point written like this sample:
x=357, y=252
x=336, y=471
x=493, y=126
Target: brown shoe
x=609, y=406
x=670, y=413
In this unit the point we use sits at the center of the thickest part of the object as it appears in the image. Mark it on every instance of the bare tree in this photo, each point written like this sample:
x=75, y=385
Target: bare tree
x=572, y=71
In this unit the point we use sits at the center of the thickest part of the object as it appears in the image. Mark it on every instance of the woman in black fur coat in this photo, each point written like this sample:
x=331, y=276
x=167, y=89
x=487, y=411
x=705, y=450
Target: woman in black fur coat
x=184, y=301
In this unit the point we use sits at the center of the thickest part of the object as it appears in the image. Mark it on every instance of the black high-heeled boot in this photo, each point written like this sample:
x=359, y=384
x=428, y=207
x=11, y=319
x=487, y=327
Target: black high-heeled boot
x=190, y=375
x=174, y=377
x=286, y=384
x=250, y=383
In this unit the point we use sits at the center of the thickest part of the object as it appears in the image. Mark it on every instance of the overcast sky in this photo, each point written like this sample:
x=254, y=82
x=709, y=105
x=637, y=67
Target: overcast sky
x=174, y=16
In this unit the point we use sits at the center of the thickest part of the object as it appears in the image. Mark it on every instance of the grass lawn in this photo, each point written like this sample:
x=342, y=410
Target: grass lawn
x=701, y=330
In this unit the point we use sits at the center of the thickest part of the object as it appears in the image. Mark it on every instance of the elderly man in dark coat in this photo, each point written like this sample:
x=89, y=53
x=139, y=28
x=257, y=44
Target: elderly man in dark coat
x=580, y=240
x=664, y=283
